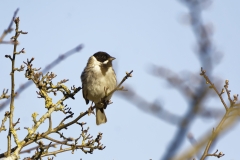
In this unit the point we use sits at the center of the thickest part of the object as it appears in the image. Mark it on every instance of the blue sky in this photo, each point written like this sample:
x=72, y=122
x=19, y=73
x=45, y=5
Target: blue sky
x=138, y=34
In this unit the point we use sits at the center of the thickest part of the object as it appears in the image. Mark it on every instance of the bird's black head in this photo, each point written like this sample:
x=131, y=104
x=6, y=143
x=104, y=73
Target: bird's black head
x=102, y=56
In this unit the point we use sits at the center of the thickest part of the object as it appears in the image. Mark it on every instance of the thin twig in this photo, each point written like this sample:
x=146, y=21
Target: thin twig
x=4, y=94
x=11, y=128
x=6, y=115
x=119, y=87
x=227, y=120
x=203, y=73
x=9, y=29
x=225, y=117
x=215, y=154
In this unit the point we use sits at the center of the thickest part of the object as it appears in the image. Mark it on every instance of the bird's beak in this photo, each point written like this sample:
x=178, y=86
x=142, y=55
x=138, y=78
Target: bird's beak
x=111, y=58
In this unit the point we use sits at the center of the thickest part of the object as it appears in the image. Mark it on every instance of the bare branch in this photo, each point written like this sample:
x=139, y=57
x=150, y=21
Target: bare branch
x=153, y=108
x=9, y=29
x=45, y=70
x=215, y=154
x=6, y=115
x=203, y=73
x=205, y=54
x=227, y=120
x=4, y=94
x=208, y=138
x=34, y=148
x=12, y=131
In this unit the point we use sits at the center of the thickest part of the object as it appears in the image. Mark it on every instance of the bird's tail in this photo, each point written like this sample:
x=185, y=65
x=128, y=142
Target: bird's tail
x=100, y=116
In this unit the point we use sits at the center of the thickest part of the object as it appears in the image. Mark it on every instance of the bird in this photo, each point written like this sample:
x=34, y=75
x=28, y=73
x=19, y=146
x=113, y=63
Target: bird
x=98, y=78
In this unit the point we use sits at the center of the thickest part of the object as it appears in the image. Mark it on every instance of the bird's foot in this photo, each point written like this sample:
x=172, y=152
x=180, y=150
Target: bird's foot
x=90, y=110
x=107, y=102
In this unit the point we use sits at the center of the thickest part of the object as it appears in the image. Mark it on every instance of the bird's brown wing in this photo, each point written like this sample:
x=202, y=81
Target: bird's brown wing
x=84, y=93
x=84, y=96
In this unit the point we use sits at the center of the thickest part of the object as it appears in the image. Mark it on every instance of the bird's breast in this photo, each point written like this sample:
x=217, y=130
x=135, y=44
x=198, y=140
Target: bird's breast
x=98, y=81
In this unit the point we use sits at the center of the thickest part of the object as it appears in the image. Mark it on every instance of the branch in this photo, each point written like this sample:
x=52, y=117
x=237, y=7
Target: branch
x=119, y=87
x=227, y=121
x=4, y=94
x=34, y=148
x=215, y=154
x=61, y=125
x=9, y=29
x=223, y=125
x=45, y=86
x=206, y=56
x=225, y=117
x=45, y=70
x=11, y=127
x=89, y=144
x=6, y=115
x=153, y=108
x=178, y=81
x=203, y=73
